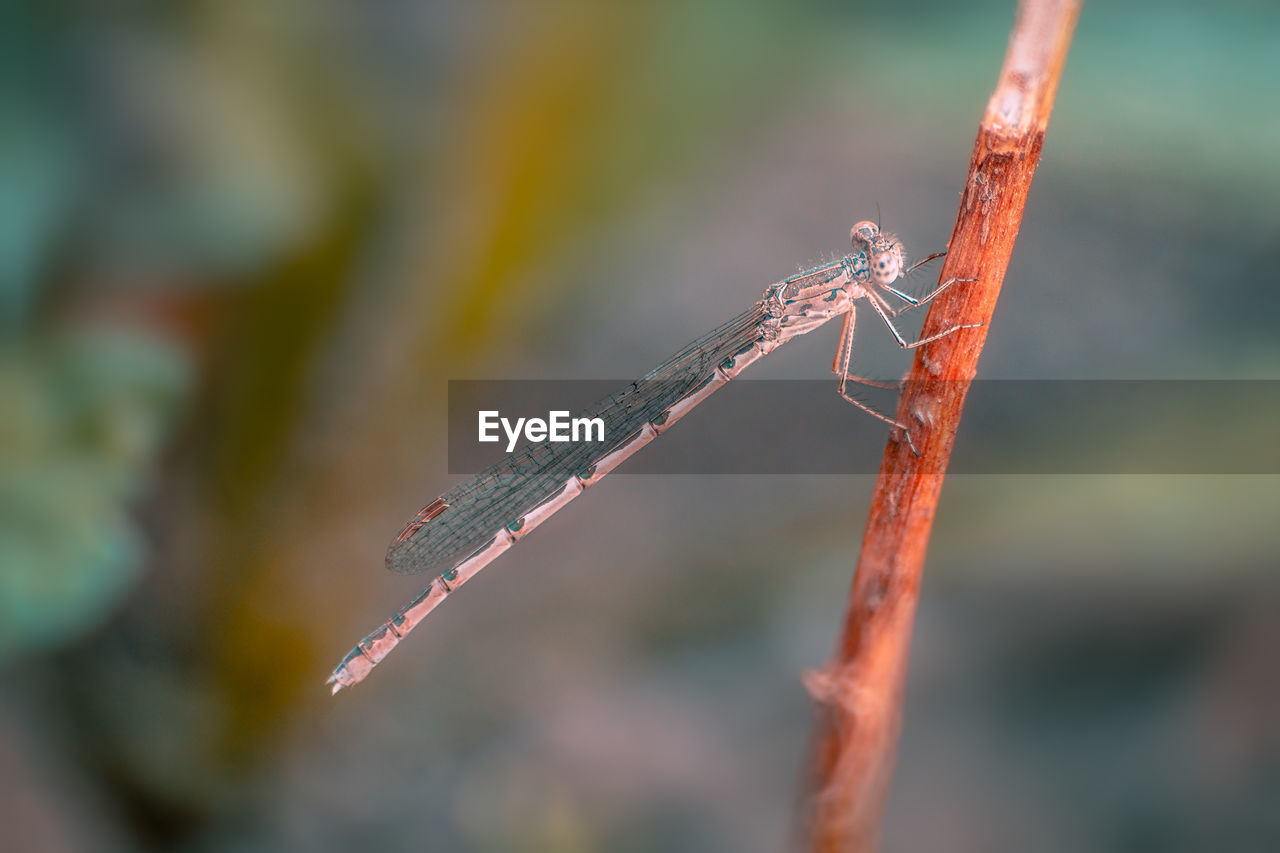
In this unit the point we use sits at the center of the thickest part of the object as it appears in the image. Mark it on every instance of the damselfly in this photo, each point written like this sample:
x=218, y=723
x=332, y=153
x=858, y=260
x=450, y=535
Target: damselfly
x=462, y=531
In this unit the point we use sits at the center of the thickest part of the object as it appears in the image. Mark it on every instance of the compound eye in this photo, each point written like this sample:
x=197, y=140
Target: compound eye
x=864, y=232
x=886, y=266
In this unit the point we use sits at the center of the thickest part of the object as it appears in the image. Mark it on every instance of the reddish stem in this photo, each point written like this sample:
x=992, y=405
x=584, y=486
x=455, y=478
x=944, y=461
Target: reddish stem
x=860, y=691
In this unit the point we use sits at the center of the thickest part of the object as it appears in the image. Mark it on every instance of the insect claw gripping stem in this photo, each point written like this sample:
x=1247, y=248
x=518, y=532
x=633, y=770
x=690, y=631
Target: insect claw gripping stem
x=906, y=433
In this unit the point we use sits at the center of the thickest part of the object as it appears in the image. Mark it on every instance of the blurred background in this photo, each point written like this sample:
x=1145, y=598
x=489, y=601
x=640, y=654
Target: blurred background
x=244, y=246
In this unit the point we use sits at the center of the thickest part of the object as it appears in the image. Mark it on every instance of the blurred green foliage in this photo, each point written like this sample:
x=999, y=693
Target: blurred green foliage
x=83, y=420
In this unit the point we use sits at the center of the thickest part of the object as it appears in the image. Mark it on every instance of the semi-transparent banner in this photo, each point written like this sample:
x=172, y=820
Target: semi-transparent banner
x=804, y=427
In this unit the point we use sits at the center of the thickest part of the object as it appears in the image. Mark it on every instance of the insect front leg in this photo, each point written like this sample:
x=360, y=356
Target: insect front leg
x=913, y=302
x=844, y=355
x=884, y=311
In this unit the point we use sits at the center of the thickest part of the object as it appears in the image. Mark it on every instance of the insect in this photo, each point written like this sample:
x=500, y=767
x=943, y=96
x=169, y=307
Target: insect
x=462, y=531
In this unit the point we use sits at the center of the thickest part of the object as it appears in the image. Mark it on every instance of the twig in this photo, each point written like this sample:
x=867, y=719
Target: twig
x=859, y=694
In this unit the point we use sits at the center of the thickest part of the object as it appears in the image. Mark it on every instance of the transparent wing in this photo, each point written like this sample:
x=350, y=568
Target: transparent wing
x=466, y=518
